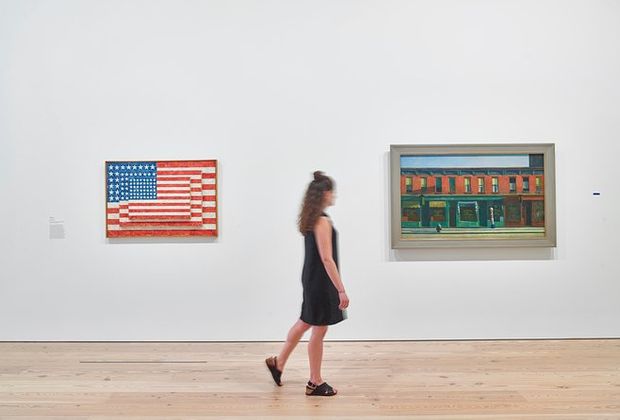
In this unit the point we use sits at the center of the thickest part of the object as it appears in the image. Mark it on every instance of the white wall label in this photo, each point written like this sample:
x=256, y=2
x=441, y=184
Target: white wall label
x=57, y=228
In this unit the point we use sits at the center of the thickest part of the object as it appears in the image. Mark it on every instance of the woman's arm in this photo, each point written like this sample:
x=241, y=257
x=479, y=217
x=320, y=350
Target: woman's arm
x=323, y=235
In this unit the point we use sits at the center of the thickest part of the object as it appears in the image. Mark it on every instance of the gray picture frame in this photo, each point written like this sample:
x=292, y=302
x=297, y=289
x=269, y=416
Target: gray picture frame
x=422, y=232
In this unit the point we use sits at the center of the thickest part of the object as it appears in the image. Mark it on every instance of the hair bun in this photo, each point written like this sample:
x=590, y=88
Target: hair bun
x=318, y=175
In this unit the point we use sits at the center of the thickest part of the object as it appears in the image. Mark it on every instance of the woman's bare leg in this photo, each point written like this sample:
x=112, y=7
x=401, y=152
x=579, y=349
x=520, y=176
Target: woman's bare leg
x=315, y=353
x=294, y=335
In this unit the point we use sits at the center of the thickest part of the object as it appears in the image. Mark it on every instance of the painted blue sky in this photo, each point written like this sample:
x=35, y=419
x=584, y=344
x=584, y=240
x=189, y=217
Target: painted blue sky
x=465, y=161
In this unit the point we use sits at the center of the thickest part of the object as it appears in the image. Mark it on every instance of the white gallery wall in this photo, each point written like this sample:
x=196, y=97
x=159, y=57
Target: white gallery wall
x=275, y=90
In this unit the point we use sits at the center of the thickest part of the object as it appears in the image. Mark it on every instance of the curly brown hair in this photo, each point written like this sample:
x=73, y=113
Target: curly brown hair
x=312, y=205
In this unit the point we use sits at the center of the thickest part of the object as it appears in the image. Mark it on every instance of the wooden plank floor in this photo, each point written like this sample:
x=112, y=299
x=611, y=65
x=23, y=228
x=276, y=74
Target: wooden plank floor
x=535, y=379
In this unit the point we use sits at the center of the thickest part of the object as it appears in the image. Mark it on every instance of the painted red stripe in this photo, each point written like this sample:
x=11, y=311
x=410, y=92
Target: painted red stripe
x=196, y=189
x=157, y=204
x=115, y=222
x=187, y=163
x=160, y=215
x=132, y=218
x=171, y=232
x=180, y=217
x=180, y=172
x=209, y=221
x=165, y=224
x=208, y=198
x=160, y=191
x=111, y=210
x=185, y=184
x=183, y=202
x=174, y=178
x=208, y=176
x=208, y=187
x=136, y=210
x=175, y=197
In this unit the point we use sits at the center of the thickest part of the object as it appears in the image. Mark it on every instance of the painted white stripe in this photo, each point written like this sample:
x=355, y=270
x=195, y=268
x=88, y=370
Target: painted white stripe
x=128, y=220
x=153, y=210
x=208, y=192
x=181, y=178
x=208, y=181
x=208, y=215
x=169, y=191
x=205, y=169
x=203, y=227
x=155, y=214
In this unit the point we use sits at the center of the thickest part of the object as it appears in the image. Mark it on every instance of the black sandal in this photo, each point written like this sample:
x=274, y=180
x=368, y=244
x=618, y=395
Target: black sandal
x=323, y=390
x=275, y=373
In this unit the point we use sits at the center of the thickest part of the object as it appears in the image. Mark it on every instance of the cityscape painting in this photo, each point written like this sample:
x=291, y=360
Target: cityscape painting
x=473, y=195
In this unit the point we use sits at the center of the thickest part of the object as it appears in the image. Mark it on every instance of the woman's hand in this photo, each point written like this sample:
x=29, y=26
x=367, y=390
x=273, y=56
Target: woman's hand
x=344, y=300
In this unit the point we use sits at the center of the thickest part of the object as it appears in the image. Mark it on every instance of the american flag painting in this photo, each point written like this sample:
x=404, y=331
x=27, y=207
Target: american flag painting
x=161, y=198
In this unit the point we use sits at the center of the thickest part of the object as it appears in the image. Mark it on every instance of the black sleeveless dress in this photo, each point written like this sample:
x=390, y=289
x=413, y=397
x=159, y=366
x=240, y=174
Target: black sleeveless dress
x=320, y=304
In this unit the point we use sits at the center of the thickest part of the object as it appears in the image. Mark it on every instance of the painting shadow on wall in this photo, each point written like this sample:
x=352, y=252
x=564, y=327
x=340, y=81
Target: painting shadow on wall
x=163, y=240
x=471, y=254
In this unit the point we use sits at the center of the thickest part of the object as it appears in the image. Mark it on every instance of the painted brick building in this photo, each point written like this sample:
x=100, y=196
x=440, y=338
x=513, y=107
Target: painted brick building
x=472, y=197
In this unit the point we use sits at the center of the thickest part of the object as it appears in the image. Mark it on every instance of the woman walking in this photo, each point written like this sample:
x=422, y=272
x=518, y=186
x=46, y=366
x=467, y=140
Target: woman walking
x=324, y=296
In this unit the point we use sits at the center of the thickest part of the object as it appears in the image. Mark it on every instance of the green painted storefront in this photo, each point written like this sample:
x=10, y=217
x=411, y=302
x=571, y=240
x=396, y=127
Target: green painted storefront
x=462, y=211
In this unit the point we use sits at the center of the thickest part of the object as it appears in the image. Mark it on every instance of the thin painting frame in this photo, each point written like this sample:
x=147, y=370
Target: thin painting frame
x=472, y=195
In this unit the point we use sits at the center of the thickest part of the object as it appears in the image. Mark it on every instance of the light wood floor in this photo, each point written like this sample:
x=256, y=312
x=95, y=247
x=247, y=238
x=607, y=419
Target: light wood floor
x=534, y=379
